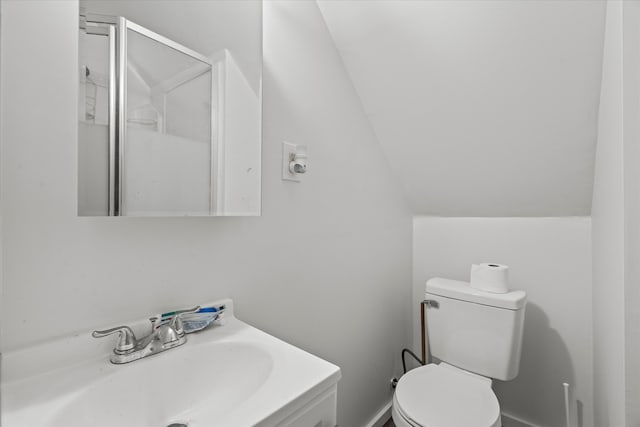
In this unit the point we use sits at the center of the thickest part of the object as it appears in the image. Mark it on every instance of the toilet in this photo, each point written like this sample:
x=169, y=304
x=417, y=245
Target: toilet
x=477, y=336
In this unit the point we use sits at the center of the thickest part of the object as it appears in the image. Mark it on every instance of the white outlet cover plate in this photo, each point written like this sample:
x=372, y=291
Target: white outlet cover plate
x=288, y=149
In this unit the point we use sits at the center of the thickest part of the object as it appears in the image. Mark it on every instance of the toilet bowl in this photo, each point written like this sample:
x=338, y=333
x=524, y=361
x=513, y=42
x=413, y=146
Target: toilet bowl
x=444, y=396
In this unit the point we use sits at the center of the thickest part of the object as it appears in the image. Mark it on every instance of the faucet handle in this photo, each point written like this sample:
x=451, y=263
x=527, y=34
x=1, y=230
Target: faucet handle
x=126, y=340
x=176, y=322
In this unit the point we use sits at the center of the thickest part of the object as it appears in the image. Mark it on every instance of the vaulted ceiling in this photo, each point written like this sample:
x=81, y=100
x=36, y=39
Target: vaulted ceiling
x=483, y=108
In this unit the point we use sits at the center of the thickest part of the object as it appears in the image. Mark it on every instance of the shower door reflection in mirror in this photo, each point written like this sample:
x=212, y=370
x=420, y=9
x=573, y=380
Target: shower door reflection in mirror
x=167, y=130
x=167, y=164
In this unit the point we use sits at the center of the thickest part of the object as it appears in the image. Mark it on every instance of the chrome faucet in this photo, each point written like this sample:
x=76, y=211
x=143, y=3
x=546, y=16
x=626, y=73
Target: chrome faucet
x=162, y=337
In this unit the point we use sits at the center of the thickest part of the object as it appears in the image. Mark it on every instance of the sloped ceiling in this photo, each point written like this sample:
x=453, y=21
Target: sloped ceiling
x=483, y=108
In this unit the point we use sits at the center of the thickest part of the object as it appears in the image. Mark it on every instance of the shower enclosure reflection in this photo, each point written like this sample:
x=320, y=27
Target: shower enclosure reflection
x=165, y=129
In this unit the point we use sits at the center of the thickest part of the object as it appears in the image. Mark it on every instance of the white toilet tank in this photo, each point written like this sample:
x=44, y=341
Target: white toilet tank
x=475, y=330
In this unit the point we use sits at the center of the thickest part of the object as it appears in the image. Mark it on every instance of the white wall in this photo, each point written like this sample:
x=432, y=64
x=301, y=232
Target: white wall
x=549, y=258
x=471, y=100
x=631, y=67
x=327, y=267
x=608, y=235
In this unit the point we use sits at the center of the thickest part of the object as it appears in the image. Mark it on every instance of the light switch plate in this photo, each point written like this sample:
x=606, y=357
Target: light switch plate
x=288, y=151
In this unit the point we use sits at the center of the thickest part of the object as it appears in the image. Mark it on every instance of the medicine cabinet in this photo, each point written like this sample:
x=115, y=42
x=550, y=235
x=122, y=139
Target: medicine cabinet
x=169, y=111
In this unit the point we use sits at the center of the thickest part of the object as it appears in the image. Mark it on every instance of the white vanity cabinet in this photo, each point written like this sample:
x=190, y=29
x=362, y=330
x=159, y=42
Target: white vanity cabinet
x=319, y=411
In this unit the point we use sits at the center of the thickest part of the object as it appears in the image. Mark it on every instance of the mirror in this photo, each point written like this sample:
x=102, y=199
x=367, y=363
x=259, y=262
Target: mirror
x=169, y=108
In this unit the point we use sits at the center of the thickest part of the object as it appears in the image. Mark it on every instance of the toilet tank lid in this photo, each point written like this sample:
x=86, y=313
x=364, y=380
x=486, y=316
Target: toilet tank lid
x=456, y=289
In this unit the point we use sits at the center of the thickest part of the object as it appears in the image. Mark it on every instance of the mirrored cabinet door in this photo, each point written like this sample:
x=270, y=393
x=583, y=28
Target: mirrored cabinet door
x=165, y=129
x=167, y=154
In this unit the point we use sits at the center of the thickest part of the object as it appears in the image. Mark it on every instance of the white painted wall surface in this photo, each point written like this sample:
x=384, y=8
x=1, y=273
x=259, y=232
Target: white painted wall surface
x=327, y=267
x=550, y=259
x=631, y=74
x=483, y=107
x=608, y=235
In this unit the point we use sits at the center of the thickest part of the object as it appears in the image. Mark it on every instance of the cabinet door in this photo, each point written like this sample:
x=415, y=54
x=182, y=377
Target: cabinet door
x=320, y=412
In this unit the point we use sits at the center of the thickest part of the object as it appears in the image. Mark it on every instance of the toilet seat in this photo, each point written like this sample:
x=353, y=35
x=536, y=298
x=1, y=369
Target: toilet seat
x=445, y=396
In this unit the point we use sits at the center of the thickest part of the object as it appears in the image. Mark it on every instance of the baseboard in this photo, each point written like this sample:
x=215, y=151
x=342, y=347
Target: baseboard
x=510, y=420
x=381, y=417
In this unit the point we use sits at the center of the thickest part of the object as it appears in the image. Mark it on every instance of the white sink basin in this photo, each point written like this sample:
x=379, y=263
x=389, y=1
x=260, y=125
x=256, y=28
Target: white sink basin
x=166, y=388
x=226, y=376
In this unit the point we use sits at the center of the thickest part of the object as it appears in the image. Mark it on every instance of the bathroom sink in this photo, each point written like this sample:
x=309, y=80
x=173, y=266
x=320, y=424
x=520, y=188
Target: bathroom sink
x=226, y=376
x=234, y=371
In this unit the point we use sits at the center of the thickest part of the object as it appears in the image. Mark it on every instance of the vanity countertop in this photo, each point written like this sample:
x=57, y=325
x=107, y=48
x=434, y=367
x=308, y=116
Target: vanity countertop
x=228, y=376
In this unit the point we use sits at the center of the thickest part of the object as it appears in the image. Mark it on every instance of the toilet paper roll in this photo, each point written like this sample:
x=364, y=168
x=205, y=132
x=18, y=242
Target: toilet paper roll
x=490, y=277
